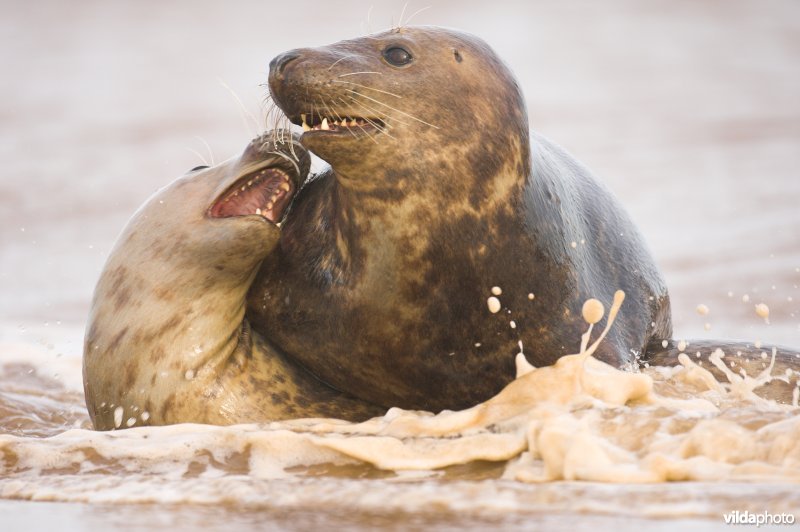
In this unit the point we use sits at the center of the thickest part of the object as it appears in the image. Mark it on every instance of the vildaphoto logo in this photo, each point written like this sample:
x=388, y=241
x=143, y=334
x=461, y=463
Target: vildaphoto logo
x=762, y=518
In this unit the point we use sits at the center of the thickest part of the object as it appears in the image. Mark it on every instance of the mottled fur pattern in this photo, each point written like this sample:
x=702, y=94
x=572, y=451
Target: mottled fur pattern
x=380, y=282
x=167, y=341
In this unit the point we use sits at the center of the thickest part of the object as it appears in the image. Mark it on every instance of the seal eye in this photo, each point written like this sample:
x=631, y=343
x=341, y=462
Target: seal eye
x=196, y=168
x=397, y=56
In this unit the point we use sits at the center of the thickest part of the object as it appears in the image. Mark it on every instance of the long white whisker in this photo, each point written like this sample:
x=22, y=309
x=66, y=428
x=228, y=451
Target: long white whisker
x=354, y=73
x=359, y=125
x=245, y=113
x=392, y=108
x=379, y=113
x=208, y=148
x=374, y=124
x=369, y=15
x=417, y=12
x=372, y=138
x=338, y=117
x=340, y=60
x=369, y=88
x=378, y=128
x=203, y=159
x=403, y=12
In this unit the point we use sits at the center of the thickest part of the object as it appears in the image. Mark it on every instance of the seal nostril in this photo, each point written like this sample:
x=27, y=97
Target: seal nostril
x=278, y=64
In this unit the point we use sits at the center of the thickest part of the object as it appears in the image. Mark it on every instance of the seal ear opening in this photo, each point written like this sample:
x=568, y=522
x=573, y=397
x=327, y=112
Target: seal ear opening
x=457, y=55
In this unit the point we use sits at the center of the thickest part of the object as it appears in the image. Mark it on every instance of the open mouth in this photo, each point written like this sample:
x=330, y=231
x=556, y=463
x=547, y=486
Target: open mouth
x=313, y=122
x=265, y=192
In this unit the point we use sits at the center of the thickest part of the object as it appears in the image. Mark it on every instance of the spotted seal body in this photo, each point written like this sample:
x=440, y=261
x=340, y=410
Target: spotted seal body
x=166, y=340
x=436, y=193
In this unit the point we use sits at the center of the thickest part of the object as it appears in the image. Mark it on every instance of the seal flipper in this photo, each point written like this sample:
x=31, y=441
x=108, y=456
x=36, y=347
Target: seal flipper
x=167, y=340
x=738, y=357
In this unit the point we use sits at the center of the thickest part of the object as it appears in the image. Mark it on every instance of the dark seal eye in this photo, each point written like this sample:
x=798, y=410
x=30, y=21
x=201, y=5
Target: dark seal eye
x=196, y=168
x=397, y=56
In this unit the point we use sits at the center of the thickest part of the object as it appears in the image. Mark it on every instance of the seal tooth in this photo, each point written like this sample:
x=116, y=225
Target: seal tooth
x=306, y=127
x=324, y=126
x=269, y=206
x=258, y=211
x=285, y=186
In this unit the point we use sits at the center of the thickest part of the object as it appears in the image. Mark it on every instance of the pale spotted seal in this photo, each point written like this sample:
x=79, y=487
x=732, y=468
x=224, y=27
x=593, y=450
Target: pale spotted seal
x=166, y=340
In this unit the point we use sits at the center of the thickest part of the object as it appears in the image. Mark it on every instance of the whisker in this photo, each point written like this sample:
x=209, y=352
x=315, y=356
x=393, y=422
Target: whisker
x=338, y=117
x=208, y=148
x=359, y=126
x=372, y=138
x=243, y=110
x=354, y=73
x=203, y=159
x=379, y=113
x=417, y=12
x=341, y=120
x=369, y=88
x=392, y=108
x=403, y=12
x=340, y=60
x=369, y=15
x=374, y=124
x=379, y=129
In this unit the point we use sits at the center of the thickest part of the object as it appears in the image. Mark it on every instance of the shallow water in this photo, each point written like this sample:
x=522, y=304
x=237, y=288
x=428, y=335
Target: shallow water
x=558, y=445
x=688, y=111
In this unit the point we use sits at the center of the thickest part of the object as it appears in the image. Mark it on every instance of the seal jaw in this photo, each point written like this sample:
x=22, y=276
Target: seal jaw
x=265, y=192
x=341, y=123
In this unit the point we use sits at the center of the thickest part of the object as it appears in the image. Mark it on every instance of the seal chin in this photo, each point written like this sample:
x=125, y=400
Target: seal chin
x=265, y=192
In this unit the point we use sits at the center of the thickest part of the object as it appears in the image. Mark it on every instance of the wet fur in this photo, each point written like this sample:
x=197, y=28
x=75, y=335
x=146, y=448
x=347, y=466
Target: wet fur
x=167, y=336
x=380, y=281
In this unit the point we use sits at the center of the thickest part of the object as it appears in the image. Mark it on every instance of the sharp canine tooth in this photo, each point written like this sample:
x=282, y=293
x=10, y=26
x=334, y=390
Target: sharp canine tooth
x=258, y=211
x=303, y=118
x=325, y=124
x=285, y=186
x=306, y=127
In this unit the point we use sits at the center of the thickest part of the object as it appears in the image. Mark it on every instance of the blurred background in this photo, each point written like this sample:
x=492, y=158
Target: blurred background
x=689, y=110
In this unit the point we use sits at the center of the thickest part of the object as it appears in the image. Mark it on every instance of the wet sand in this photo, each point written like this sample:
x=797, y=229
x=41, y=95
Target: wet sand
x=688, y=110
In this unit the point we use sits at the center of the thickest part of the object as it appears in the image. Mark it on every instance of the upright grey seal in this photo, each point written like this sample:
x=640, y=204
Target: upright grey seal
x=438, y=197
